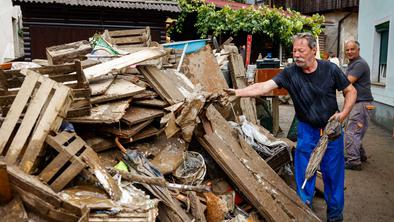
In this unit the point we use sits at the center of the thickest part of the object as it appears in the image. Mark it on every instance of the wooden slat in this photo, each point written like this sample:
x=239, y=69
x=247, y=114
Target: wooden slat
x=129, y=40
x=34, y=147
x=29, y=121
x=127, y=32
x=72, y=171
x=100, y=70
x=119, y=89
x=16, y=110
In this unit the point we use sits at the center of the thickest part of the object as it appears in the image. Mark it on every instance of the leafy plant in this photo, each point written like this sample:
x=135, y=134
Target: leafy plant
x=274, y=22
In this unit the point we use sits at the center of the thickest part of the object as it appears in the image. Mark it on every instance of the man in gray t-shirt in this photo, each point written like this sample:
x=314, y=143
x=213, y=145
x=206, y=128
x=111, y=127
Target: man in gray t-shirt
x=358, y=74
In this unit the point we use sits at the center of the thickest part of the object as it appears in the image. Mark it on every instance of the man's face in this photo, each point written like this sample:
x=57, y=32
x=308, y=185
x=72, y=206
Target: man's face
x=303, y=55
x=352, y=51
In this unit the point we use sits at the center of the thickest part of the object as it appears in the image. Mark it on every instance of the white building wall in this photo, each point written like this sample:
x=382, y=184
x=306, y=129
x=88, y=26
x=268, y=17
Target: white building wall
x=10, y=20
x=347, y=31
x=372, y=13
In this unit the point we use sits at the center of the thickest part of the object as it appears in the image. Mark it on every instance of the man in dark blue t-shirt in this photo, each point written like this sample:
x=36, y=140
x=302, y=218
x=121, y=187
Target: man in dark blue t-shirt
x=312, y=85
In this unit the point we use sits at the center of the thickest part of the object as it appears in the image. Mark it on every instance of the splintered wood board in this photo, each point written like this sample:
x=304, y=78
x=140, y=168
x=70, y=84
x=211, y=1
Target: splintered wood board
x=119, y=89
x=202, y=67
x=100, y=70
x=158, y=103
x=46, y=106
x=136, y=115
x=172, y=86
x=125, y=132
x=104, y=113
x=271, y=196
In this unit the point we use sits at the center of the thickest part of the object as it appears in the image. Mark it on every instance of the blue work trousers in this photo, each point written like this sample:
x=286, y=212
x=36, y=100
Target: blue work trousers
x=332, y=168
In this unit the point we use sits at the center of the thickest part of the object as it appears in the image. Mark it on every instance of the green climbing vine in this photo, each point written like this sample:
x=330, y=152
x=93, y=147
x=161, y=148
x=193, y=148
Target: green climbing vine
x=274, y=22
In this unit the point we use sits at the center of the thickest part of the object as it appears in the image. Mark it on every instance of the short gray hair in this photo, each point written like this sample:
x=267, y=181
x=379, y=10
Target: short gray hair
x=353, y=41
x=308, y=36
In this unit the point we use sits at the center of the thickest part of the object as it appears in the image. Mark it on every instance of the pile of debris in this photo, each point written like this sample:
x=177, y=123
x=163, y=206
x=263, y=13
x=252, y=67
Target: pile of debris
x=109, y=130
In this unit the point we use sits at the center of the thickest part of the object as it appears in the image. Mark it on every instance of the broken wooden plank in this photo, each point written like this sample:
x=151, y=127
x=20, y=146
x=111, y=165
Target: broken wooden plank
x=104, y=113
x=171, y=85
x=100, y=70
x=238, y=76
x=136, y=115
x=257, y=181
x=68, y=52
x=202, y=67
x=119, y=89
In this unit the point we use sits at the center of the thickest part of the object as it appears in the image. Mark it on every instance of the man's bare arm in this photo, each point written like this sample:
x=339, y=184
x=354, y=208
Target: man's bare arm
x=352, y=79
x=257, y=89
x=350, y=94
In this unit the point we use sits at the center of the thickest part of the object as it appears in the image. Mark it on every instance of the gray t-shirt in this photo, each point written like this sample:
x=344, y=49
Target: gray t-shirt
x=359, y=68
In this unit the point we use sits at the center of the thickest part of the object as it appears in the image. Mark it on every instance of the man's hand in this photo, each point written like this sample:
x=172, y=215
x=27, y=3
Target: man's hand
x=229, y=92
x=338, y=116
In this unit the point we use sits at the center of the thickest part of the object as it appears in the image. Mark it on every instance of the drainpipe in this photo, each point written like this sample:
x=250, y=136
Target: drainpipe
x=339, y=32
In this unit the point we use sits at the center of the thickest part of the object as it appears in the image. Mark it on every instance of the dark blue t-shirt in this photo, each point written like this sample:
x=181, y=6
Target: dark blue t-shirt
x=313, y=94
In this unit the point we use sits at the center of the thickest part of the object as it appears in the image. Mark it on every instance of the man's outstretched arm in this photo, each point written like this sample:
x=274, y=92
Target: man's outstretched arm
x=257, y=89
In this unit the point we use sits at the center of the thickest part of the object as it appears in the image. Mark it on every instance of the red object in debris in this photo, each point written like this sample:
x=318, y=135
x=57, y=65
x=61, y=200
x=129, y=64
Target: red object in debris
x=248, y=50
x=5, y=66
x=237, y=199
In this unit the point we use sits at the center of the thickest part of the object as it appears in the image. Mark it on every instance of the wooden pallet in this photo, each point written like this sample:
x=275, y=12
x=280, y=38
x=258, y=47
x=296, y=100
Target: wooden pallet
x=46, y=103
x=70, y=75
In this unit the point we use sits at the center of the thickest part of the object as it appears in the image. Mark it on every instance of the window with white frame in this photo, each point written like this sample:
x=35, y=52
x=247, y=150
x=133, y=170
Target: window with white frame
x=383, y=31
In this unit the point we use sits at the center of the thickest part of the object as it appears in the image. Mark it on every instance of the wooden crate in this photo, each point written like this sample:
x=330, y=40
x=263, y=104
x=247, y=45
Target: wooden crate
x=70, y=75
x=73, y=156
x=61, y=54
x=68, y=163
x=46, y=103
x=263, y=75
x=131, y=38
